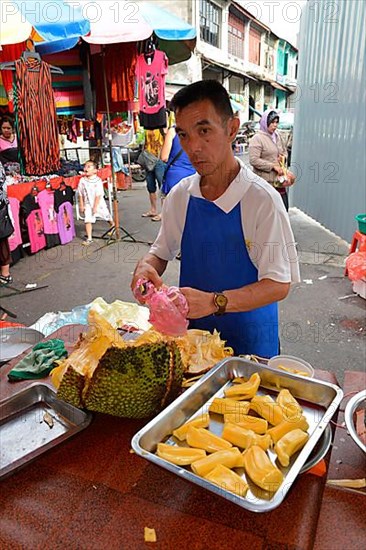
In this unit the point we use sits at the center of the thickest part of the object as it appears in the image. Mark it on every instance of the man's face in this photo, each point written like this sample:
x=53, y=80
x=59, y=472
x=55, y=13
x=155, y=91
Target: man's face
x=205, y=136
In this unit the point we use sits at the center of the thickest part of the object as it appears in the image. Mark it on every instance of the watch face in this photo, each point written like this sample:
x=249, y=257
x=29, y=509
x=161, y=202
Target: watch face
x=221, y=300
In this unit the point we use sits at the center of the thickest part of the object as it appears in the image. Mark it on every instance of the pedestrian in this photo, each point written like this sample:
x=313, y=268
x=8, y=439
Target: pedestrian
x=154, y=141
x=5, y=256
x=178, y=165
x=268, y=155
x=237, y=257
x=91, y=200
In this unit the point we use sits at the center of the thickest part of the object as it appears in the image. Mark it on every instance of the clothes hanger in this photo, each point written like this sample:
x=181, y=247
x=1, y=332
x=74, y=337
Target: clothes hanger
x=149, y=50
x=34, y=190
x=27, y=55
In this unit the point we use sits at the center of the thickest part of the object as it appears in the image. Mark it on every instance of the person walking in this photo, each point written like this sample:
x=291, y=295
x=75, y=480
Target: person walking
x=154, y=141
x=238, y=257
x=5, y=256
x=268, y=155
x=91, y=200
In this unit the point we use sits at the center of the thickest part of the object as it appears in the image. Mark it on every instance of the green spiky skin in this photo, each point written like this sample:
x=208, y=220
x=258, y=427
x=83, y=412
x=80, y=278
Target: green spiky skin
x=71, y=388
x=132, y=382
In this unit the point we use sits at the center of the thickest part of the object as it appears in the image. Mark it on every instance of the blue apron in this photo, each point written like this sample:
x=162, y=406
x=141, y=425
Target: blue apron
x=214, y=258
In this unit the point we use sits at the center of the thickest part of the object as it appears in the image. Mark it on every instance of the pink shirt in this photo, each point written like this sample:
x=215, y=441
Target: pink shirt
x=151, y=79
x=5, y=144
x=46, y=202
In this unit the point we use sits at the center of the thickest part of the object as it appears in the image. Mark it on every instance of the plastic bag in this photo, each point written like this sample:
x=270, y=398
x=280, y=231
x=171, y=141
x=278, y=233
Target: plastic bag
x=168, y=307
x=356, y=266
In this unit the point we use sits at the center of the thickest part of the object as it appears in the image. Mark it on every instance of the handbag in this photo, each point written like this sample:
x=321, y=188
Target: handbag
x=6, y=226
x=147, y=160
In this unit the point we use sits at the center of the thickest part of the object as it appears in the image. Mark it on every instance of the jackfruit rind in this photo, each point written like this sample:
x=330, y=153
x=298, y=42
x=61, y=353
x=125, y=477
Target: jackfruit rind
x=135, y=382
x=71, y=388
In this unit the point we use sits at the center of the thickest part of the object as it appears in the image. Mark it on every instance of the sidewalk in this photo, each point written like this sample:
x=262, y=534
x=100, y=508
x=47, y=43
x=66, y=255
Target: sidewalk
x=321, y=320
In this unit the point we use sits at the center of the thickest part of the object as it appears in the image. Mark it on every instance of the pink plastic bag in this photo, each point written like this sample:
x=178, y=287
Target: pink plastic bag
x=356, y=266
x=168, y=307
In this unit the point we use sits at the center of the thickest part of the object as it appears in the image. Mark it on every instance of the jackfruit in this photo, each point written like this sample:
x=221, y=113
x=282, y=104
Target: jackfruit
x=135, y=382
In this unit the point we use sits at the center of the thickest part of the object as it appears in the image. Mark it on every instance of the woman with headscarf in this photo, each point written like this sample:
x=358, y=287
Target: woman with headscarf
x=268, y=155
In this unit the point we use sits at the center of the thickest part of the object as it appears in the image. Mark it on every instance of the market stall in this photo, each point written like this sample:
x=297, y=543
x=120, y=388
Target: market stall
x=92, y=491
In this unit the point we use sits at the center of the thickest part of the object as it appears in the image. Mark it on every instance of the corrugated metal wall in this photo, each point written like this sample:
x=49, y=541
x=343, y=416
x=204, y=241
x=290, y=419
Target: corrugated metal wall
x=329, y=145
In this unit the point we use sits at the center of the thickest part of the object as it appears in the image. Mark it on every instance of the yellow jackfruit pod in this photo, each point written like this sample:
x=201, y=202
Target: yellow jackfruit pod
x=246, y=390
x=222, y=405
x=267, y=408
x=289, y=444
x=244, y=438
x=228, y=458
x=203, y=439
x=261, y=470
x=287, y=426
x=182, y=456
x=258, y=425
x=291, y=408
x=200, y=422
x=227, y=480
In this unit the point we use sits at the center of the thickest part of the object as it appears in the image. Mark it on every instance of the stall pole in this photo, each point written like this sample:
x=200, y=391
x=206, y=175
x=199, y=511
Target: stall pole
x=117, y=227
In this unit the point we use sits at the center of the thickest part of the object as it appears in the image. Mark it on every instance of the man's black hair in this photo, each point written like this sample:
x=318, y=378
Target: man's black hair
x=201, y=90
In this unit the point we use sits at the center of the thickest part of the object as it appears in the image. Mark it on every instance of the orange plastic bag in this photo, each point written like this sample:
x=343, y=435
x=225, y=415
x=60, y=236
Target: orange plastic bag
x=356, y=266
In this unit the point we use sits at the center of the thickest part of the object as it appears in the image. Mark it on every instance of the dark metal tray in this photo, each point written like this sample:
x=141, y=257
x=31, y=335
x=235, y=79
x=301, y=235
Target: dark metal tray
x=319, y=401
x=33, y=421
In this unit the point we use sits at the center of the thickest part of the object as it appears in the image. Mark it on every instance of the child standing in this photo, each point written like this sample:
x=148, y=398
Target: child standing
x=91, y=199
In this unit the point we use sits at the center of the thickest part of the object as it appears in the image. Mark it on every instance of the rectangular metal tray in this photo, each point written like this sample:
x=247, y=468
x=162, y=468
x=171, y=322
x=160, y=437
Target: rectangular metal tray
x=318, y=399
x=24, y=433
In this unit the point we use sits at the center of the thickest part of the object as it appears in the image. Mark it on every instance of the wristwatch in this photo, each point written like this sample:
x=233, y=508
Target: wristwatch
x=220, y=302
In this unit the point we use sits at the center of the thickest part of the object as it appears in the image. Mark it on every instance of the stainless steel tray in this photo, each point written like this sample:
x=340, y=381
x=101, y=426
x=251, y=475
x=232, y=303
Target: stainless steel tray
x=318, y=399
x=358, y=401
x=15, y=340
x=24, y=431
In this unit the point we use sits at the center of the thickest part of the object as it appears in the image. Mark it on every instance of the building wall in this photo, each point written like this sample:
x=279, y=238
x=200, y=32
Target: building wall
x=329, y=134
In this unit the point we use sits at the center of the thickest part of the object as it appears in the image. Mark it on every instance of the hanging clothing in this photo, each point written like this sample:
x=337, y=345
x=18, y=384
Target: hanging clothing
x=120, y=66
x=15, y=239
x=34, y=222
x=150, y=73
x=36, y=118
x=10, y=52
x=46, y=202
x=64, y=199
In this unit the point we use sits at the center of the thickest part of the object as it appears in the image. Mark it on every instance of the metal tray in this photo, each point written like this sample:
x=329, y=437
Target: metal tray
x=15, y=340
x=318, y=399
x=24, y=433
x=358, y=401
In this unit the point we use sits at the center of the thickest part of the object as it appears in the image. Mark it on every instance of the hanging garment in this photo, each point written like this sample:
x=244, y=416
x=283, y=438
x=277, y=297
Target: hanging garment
x=15, y=239
x=10, y=52
x=150, y=73
x=34, y=222
x=68, y=87
x=36, y=118
x=64, y=199
x=46, y=202
x=120, y=65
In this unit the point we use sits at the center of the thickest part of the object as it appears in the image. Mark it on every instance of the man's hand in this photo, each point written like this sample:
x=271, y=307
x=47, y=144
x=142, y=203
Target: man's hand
x=149, y=268
x=200, y=303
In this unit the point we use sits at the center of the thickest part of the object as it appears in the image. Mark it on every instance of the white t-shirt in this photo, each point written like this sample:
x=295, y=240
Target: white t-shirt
x=266, y=225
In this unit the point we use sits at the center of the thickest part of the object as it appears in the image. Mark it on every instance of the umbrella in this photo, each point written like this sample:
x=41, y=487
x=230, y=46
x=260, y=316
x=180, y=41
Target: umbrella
x=41, y=20
x=126, y=21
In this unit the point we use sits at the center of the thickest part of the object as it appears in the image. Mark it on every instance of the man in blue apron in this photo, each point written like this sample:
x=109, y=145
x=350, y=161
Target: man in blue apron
x=238, y=254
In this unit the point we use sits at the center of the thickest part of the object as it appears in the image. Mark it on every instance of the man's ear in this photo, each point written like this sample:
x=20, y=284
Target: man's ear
x=233, y=127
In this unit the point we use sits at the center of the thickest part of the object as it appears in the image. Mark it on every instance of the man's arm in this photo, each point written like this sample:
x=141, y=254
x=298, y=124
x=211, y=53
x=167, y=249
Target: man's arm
x=150, y=267
x=246, y=298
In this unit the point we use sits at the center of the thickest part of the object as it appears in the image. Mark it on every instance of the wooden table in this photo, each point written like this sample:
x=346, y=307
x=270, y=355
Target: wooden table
x=91, y=492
